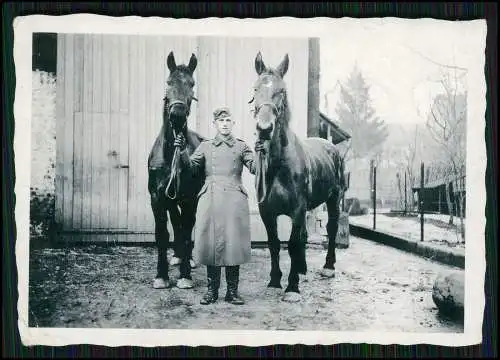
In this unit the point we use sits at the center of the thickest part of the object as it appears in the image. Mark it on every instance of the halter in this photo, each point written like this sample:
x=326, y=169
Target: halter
x=175, y=168
x=169, y=104
x=277, y=109
x=262, y=166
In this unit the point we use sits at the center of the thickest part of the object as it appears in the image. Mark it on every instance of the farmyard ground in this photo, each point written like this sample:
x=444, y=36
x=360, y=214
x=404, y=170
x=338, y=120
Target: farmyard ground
x=377, y=288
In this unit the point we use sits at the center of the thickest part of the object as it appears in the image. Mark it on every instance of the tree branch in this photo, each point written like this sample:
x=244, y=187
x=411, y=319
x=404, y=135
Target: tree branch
x=435, y=62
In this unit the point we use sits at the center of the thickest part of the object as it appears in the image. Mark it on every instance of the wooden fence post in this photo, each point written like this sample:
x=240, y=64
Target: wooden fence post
x=406, y=197
x=374, y=196
x=421, y=202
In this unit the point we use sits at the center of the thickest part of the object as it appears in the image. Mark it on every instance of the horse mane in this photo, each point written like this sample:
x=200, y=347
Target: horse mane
x=287, y=114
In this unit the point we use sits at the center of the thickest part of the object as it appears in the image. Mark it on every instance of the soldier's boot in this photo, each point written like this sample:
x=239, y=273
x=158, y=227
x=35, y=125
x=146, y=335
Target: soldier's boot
x=232, y=278
x=213, y=277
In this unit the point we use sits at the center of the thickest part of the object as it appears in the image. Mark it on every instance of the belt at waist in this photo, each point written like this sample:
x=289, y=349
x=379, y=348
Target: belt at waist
x=223, y=178
x=225, y=181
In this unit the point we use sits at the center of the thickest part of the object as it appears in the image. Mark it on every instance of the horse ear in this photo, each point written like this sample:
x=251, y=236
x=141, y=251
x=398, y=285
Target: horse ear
x=283, y=67
x=260, y=67
x=171, y=62
x=192, y=63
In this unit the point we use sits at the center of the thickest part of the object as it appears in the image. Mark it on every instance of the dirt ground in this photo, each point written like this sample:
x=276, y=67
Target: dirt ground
x=377, y=288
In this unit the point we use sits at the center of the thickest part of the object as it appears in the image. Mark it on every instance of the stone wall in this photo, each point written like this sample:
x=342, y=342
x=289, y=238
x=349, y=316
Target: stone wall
x=43, y=153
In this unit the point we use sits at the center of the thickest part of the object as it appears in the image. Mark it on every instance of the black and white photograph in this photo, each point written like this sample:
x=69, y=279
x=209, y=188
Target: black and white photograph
x=281, y=180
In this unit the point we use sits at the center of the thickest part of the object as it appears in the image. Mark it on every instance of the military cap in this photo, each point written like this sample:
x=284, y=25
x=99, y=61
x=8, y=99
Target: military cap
x=221, y=112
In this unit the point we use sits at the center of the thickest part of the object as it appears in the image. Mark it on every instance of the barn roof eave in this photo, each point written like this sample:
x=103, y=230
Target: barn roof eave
x=339, y=135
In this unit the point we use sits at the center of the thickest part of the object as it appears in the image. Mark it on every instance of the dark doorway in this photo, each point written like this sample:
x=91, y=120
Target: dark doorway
x=45, y=52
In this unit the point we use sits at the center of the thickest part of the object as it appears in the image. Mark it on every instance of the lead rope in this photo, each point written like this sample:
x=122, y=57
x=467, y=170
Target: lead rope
x=261, y=171
x=260, y=178
x=174, y=169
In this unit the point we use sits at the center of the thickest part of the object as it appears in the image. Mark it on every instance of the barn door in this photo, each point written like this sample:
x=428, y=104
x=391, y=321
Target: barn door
x=100, y=133
x=101, y=171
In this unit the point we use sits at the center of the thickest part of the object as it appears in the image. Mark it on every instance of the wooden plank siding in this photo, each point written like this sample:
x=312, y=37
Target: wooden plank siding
x=109, y=105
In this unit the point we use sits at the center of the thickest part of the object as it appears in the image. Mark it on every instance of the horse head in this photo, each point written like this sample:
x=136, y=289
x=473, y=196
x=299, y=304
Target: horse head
x=179, y=93
x=269, y=98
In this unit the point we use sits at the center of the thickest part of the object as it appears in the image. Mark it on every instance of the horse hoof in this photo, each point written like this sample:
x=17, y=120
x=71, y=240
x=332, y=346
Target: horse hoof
x=272, y=290
x=192, y=264
x=184, y=283
x=274, y=285
x=291, y=297
x=175, y=261
x=159, y=283
x=327, y=273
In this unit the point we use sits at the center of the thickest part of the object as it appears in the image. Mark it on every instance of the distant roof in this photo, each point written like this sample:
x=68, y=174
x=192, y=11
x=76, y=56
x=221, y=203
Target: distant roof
x=458, y=183
x=338, y=135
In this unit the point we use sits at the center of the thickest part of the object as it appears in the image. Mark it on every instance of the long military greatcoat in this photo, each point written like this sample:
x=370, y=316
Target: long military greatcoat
x=222, y=229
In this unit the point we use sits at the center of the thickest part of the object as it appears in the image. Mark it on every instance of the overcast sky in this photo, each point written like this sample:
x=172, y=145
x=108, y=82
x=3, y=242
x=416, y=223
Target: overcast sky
x=392, y=58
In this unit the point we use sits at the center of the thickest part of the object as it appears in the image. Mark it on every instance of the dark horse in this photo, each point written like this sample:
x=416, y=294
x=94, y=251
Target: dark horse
x=293, y=177
x=170, y=189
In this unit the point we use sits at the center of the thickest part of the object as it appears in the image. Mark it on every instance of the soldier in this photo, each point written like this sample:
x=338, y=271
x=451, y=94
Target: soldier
x=222, y=231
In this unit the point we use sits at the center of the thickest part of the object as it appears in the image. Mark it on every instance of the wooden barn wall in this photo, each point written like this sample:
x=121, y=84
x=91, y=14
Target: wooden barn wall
x=110, y=90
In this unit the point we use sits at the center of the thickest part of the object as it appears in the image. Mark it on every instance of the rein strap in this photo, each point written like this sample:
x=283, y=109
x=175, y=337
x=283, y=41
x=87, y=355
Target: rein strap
x=174, y=174
x=261, y=177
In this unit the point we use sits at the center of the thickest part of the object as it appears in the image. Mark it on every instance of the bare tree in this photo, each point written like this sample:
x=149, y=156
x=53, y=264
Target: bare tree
x=410, y=162
x=406, y=161
x=446, y=123
x=401, y=204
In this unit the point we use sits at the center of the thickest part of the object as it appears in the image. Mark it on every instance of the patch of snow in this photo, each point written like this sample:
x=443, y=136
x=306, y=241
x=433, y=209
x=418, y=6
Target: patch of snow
x=409, y=228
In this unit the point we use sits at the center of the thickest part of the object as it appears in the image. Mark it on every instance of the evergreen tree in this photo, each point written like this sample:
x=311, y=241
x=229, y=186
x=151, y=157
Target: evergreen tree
x=357, y=116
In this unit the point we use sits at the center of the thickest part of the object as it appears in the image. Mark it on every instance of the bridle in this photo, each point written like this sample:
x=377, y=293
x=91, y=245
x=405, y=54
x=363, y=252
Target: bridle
x=175, y=165
x=276, y=108
x=169, y=104
x=262, y=165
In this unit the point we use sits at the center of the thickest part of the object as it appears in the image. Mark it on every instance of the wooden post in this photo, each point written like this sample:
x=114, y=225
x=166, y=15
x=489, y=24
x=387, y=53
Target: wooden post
x=421, y=202
x=313, y=118
x=374, y=196
x=406, y=197
x=439, y=199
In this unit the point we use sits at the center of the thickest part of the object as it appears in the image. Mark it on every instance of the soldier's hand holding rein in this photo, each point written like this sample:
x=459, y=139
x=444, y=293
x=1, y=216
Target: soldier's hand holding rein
x=180, y=141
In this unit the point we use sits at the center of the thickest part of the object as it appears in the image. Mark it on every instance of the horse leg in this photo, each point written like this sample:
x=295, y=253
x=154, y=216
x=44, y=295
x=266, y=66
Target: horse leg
x=273, y=243
x=187, y=223
x=297, y=252
x=175, y=218
x=332, y=227
x=161, y=236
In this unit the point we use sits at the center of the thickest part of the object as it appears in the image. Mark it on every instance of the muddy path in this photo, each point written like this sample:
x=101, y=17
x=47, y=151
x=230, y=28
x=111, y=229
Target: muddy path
x=376, y=288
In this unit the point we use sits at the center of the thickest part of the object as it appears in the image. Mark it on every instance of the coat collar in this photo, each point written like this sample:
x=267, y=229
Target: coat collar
x=230, y=141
